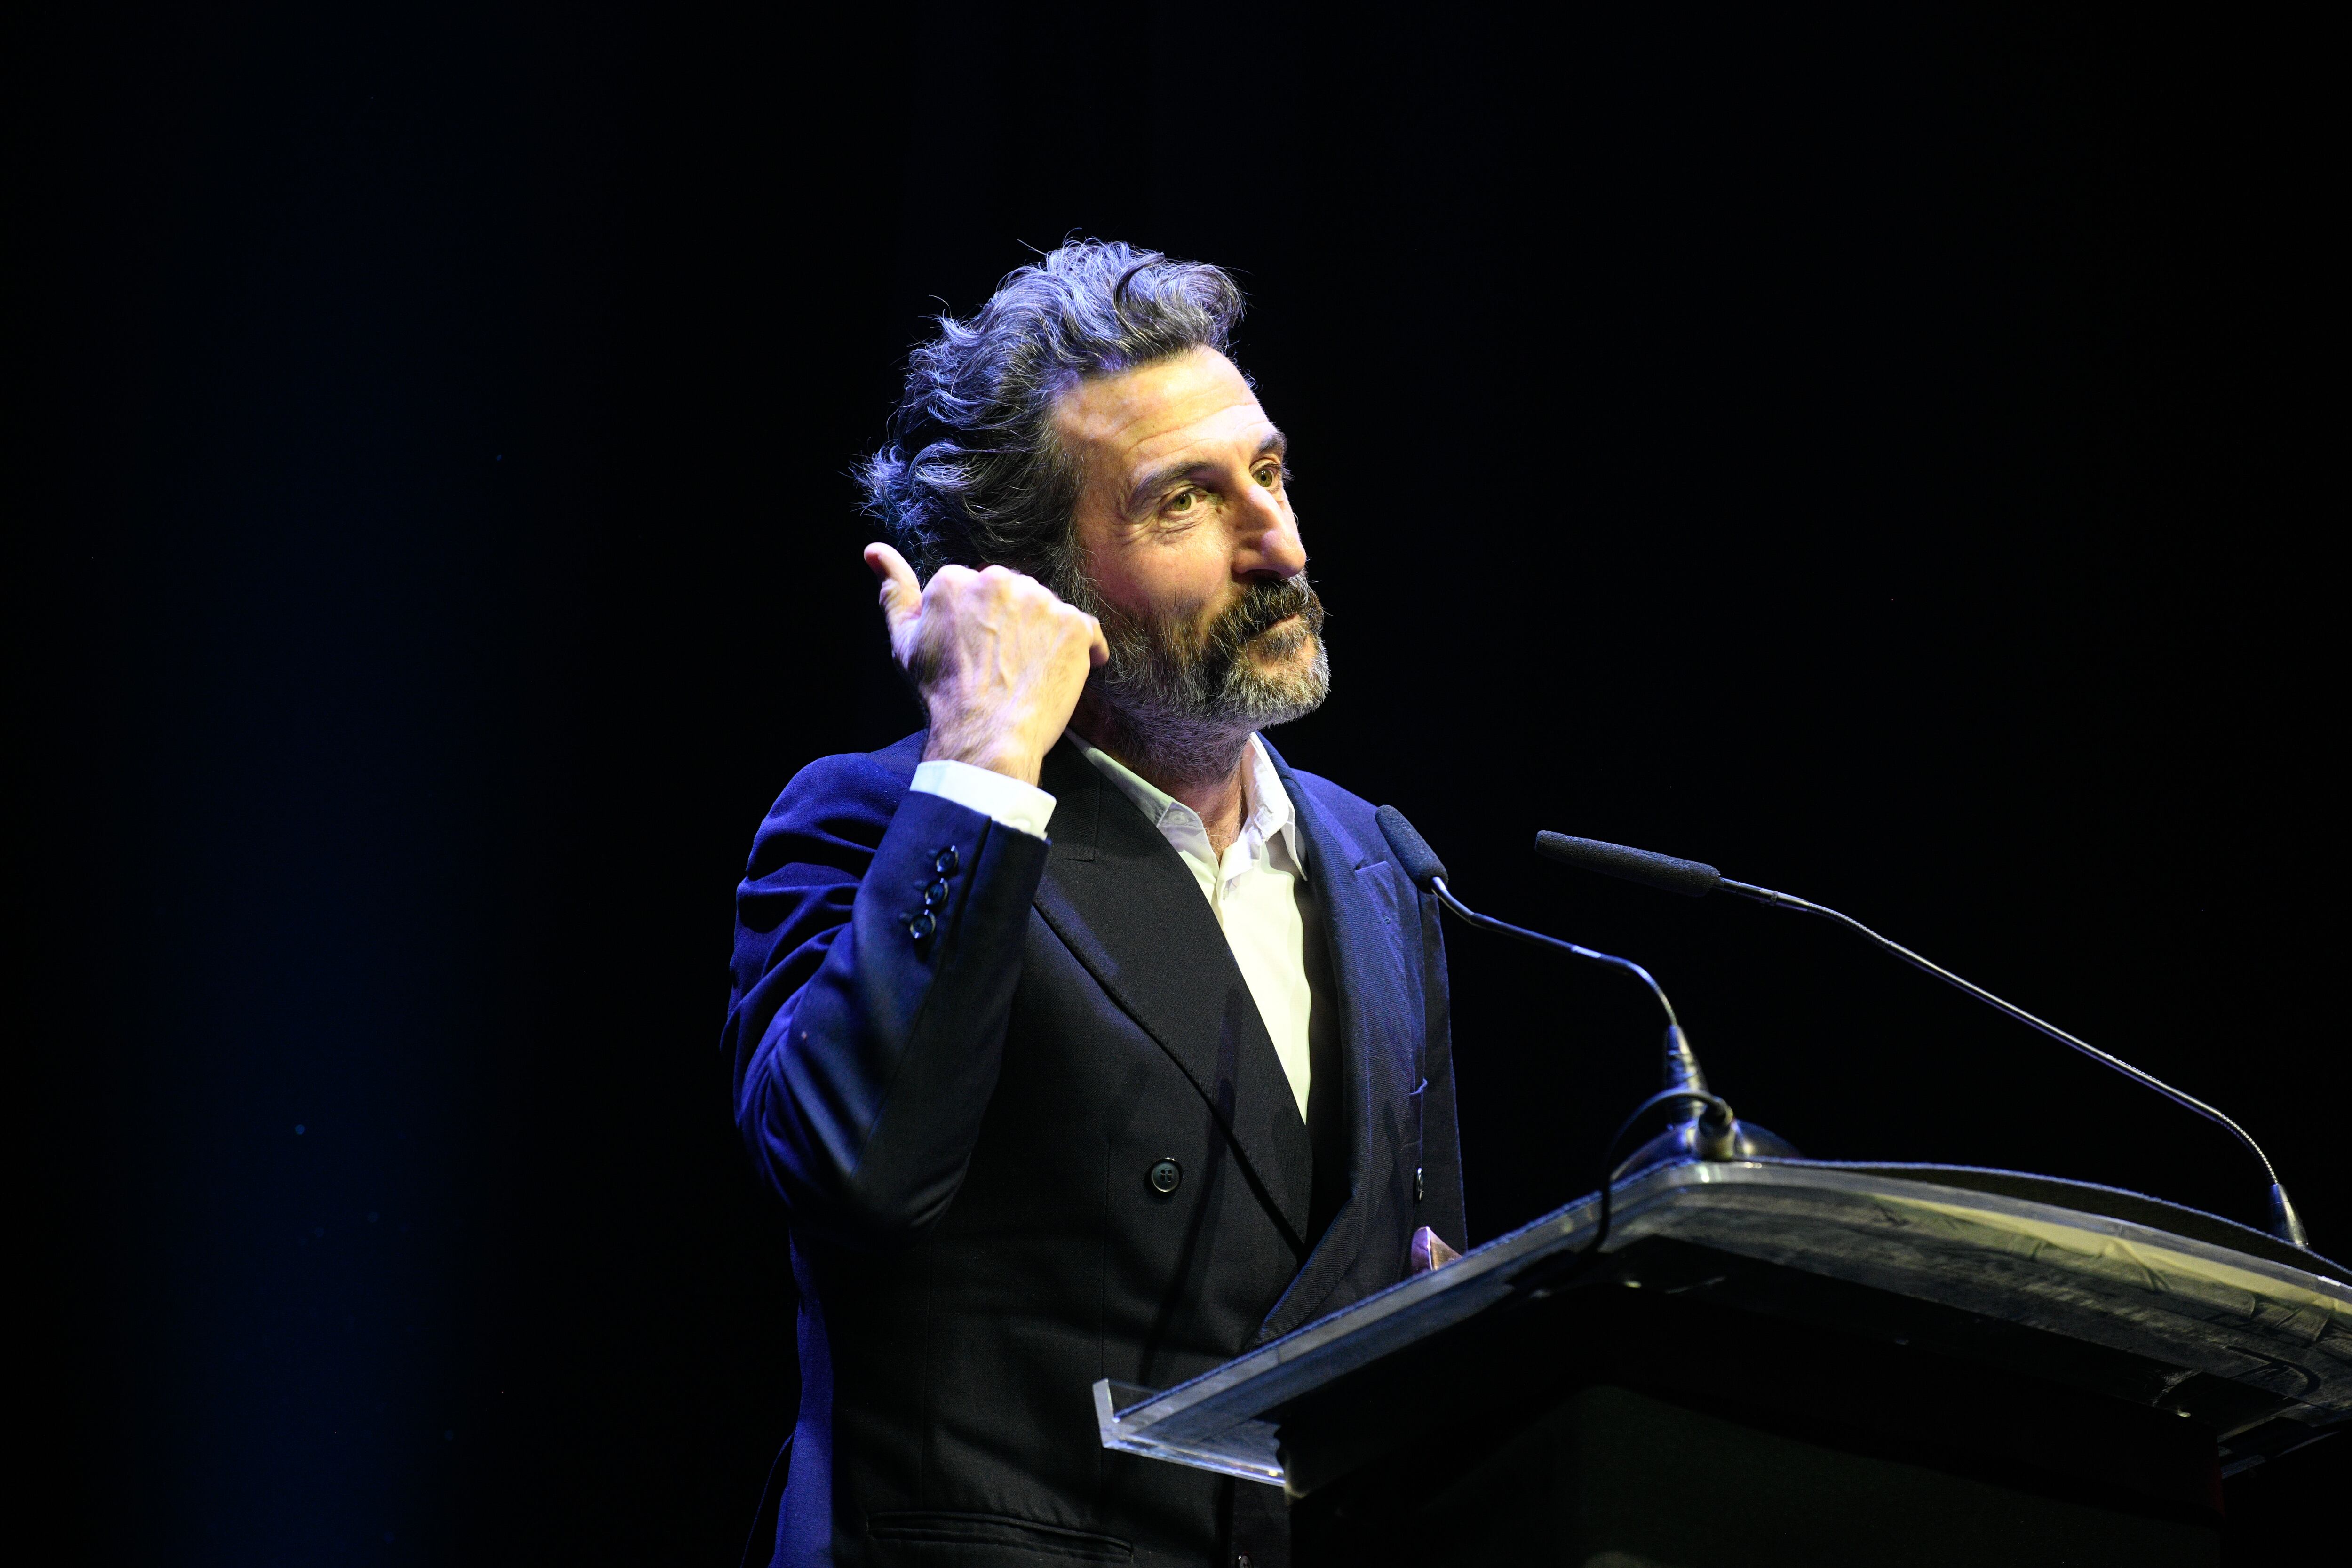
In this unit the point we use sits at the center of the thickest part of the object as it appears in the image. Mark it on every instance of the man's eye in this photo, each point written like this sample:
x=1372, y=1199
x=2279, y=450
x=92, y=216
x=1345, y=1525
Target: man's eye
x=1270, y=476
x=1182, y=502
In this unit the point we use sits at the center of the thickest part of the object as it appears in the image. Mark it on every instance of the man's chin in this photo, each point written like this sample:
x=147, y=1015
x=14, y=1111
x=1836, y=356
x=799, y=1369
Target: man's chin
x=1291, y=683
x=1284, y=648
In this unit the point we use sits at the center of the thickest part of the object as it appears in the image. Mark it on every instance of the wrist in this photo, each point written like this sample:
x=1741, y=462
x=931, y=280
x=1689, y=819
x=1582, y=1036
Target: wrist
x=992, y=754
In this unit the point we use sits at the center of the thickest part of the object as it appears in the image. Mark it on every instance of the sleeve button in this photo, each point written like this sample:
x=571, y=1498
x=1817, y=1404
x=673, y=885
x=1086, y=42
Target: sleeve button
x=935, y=895
x=921, y=926
x=1165, y=1176
x=945, y=863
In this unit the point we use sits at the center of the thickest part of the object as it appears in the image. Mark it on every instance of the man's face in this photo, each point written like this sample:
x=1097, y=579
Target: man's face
x=1191, y=552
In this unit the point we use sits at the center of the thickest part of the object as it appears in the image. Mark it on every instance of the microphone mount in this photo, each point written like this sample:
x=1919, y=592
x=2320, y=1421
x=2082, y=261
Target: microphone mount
x=1714, y=1134
x=1696, y=878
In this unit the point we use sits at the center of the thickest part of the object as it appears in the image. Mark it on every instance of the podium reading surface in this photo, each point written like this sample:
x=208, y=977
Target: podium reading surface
x=1789, y=1362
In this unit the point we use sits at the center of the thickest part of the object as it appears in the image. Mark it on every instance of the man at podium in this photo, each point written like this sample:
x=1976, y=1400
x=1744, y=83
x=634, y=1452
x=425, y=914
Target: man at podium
x=1081, y=1035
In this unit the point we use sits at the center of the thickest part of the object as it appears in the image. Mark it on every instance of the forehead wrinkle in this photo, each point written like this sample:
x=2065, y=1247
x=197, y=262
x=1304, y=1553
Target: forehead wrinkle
x=1119, y=415
x=1103, y=408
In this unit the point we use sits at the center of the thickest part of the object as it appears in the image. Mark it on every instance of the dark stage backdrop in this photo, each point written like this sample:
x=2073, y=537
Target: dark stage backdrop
x=1885, y=455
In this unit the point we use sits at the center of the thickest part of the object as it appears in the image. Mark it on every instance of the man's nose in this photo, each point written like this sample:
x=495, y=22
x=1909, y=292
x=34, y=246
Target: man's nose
x=1267, y=544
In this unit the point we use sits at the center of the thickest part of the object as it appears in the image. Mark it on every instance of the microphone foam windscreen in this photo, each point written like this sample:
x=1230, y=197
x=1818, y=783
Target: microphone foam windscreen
x=1687, y=876
x=1413, y=851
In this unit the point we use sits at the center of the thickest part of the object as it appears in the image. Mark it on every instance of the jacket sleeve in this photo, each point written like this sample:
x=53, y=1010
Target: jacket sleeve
x=879, y=941
x=1442, y=1208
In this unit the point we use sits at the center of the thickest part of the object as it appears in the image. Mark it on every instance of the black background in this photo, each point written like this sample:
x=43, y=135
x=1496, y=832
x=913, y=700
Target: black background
x=1889, y=456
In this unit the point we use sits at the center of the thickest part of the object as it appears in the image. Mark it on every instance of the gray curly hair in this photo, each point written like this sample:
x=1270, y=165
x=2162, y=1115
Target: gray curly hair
x=971, y=473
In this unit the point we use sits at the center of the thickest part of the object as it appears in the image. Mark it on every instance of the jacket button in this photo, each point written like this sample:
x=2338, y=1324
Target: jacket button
x=945, y=863
x=1164, y=1177
x=935, y=895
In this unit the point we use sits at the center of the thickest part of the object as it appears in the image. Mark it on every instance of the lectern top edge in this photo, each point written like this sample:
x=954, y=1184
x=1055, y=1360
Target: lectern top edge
x=2178, y=1300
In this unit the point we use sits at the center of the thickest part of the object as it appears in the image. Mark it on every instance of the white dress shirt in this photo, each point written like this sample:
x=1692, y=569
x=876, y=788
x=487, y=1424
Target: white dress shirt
x=1253, y=891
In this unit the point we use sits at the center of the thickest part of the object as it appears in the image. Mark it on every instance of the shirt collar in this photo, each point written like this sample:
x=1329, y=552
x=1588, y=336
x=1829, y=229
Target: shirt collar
x=1268, y=812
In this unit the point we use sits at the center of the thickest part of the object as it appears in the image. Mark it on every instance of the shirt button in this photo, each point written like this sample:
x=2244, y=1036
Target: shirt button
x=945, y=863
x=1164, y=1177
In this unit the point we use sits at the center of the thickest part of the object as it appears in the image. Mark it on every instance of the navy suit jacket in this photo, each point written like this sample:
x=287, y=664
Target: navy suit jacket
x=959, y=1054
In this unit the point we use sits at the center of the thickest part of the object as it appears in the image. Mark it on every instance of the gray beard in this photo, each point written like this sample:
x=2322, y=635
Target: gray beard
x=1181, y=706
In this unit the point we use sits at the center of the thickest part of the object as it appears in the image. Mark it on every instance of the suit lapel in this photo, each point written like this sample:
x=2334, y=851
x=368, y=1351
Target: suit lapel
x=1379, y=997
x=1121, y=900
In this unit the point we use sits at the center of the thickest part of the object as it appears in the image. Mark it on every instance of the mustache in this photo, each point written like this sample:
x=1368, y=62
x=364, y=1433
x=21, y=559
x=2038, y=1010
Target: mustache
x=1176, y=684
x=1262, y=607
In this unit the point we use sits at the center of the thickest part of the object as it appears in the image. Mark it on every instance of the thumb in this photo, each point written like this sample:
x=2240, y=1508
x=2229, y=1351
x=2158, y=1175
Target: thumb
x=902, y=595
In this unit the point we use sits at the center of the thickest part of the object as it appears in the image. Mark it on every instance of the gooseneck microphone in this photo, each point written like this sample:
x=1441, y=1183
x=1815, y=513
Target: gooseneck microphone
x=1421, y=864
x=1712, y=1134
x=1695, y=879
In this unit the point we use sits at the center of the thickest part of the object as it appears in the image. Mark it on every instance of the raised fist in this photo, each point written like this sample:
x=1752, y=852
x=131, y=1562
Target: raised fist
x=999, y=659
